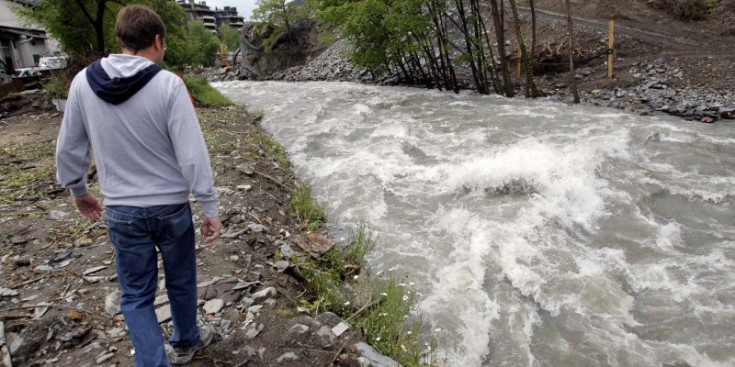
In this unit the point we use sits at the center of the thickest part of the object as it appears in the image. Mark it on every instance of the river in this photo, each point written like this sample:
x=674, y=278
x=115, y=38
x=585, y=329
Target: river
x=533, y=233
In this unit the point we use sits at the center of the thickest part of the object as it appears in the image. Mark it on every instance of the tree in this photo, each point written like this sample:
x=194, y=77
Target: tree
x=276, y=12
x=531, y=89
x=229, y=36
x=72, y=22
x=500, y=38
x=201, y=46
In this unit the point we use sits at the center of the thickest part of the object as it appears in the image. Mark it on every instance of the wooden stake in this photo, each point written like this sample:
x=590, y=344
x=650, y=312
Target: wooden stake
x=610, y=49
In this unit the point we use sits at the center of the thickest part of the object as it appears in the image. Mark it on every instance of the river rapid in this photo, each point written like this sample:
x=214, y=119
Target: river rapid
x=533, y=233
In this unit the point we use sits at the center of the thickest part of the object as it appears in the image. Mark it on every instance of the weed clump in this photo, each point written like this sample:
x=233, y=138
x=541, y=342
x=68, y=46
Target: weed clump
x=205, y=94
x=305, y=209
x=688, y=10
x=339, y=282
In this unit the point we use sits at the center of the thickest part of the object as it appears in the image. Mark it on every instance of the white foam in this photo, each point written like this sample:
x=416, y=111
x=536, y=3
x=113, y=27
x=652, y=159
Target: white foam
x=512, y=217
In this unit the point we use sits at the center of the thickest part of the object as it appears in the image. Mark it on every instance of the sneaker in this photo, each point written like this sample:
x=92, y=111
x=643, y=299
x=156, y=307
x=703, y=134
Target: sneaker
x=181, y=355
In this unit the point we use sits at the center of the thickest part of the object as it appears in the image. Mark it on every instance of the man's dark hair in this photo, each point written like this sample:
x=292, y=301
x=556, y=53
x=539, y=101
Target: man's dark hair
x=136, y=27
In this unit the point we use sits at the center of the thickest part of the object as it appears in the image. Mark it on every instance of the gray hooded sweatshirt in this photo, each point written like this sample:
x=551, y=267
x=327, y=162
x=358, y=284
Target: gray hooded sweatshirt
x=141, y=125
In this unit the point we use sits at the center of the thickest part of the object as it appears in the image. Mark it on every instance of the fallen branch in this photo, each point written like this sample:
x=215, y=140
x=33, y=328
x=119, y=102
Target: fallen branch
x=63, y=307
x=344, y=345
x=14, y=286
x=14, y=316
x=21, y=214
x=369, y=305
x=277, y=182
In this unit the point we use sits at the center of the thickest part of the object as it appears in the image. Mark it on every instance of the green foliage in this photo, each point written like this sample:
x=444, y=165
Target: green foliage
x=26, y=171
x=79, y=35
x=204, y=94
x=229, y=36
x=276, y=12
x=381, y=307
x=360, y=242
x=12, y=96
x=67, y=24
x=57, y=86
x=280, y=15
x=381, y=32
x=201, y=45
x=389, y=326
x=305, y=209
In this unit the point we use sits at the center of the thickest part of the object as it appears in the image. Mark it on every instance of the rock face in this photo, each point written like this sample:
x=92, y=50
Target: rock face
x=266, y=50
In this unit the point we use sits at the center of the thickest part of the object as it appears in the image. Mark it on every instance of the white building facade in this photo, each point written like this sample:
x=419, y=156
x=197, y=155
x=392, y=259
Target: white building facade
x=21, y=44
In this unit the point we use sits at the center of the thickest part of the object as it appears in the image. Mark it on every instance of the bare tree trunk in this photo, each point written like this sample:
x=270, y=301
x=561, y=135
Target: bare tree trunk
x=531, y=89
x=533, y=41
x=97, y=23
x=500, y=37
x=572, y=77
x=533, y=32
x=470, y=49
x=493, y=66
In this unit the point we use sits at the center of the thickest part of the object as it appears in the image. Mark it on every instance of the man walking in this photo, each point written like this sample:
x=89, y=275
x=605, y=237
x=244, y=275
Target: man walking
x=150, y=156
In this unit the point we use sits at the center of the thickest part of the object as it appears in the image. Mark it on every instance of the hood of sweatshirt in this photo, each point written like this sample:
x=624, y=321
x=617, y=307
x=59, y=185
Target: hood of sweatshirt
x=118, y=77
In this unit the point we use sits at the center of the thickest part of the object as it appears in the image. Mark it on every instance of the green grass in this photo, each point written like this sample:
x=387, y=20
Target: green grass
x=308, y=212
x=360, y=242
x=11, y=96
x=57, y=85
x=391, y=325
x=272, y=149
x=204, y=94
x=26, y=171
x=382, y=308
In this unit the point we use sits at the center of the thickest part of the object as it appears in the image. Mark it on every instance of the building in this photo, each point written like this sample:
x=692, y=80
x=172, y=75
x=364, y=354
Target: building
x=229, y=16
x=212, y=19
x=199, y=11
x=22, y=45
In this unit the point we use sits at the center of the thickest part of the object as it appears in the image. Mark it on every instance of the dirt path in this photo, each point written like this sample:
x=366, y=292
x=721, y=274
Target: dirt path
x=681, y=39
x=58, y=281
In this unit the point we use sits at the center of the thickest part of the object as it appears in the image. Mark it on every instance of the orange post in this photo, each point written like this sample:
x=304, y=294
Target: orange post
x=518, y=63
x=610, y=48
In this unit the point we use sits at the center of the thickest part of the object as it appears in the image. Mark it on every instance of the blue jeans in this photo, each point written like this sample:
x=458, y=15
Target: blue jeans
x=136, y=233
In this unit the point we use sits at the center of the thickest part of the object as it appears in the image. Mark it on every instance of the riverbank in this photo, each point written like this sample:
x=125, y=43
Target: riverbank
x=266, y=287
x=662, y=64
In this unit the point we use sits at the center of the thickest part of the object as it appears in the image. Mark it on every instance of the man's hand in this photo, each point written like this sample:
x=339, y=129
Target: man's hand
x=211, y=227
x=88, y=206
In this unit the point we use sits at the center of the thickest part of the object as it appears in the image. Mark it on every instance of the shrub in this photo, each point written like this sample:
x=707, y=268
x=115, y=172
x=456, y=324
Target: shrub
x=204, y=94
x=305, y=209
x=691, y=10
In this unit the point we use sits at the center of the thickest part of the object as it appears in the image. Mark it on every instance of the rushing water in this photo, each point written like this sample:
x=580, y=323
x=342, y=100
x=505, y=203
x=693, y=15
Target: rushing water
x=535, y=233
